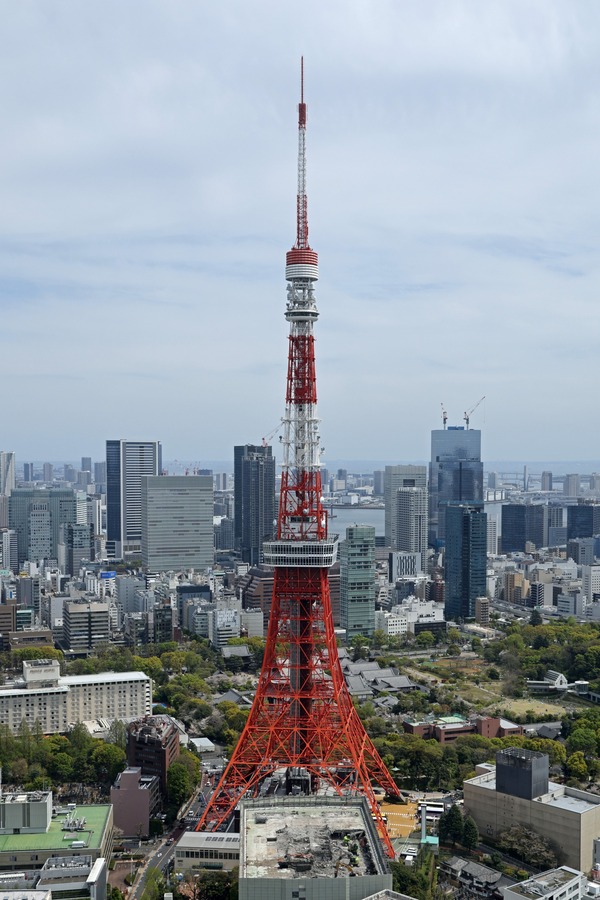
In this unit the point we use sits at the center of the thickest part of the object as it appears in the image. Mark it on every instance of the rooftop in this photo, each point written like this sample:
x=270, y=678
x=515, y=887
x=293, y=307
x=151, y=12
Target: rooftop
x=308, y=837
x=558, y=795
x=545, y=883
x=55, y=839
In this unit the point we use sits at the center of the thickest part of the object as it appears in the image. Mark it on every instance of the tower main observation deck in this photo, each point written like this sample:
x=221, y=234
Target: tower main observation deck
x=302, y=718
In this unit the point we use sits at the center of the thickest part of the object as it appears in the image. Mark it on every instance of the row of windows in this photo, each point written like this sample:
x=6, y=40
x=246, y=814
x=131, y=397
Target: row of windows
x=207, y=854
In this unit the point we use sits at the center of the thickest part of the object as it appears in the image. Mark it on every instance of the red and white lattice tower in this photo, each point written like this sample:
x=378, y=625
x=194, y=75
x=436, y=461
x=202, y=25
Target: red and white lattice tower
x=302, y=715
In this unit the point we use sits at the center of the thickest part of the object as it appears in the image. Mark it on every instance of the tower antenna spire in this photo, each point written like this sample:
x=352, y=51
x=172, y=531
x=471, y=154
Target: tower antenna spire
x=302, y=199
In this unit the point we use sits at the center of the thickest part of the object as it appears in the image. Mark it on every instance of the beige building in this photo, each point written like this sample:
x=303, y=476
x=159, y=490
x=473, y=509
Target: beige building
x=517, y=791
x=57, y=702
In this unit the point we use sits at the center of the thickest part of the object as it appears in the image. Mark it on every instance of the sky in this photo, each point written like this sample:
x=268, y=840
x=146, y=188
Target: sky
x=147, y=185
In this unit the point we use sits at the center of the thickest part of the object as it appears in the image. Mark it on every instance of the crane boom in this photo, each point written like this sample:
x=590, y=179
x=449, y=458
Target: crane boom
x=469, y=413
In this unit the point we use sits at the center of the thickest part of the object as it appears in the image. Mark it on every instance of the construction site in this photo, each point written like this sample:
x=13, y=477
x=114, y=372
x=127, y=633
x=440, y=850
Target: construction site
x=311, y=838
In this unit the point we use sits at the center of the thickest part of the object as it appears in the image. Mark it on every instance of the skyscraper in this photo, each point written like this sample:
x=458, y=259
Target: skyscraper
x=394, y=478
x=7, y=472
x=28, y=472
x=465, y=559
x=411, y=525
x=254, y=499
x=76, y=545
x=126, y=464
x=36, y=516
x=7, y=484
x=86, y=464
x=455, y=475
x=357, y=581
x=177, y=523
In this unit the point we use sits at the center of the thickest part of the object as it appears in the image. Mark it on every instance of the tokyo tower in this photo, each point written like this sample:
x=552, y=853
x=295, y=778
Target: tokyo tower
x=302, y=718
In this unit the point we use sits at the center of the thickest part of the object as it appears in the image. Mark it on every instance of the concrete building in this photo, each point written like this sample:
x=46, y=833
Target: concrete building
x=30, y=835
x=55, y=702
x=555, y=884
x=223, y=624
x=517, y=789
x=9, y=548
x=69, y=876
x=455, y=475
x=36, y=517
x=202, y=850
x=127, y=462
x=546, y=484
x=358, y=581
x=86, y=625
x=135, y=799
x=295, y=846
x=177, y=523
x=572, y=485
x=254, y=499
x=8, y=479
x=394, y=479
x=152, y=745
x=590, y=583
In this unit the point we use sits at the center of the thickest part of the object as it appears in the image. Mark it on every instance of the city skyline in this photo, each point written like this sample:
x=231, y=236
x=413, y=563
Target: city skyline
x=452, y=162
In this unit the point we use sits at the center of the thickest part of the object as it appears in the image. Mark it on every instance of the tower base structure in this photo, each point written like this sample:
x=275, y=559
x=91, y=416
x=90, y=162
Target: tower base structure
x=302, y=720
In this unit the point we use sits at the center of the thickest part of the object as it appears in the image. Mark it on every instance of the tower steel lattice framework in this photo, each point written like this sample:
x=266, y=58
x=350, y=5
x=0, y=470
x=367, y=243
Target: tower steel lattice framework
x=302, y=715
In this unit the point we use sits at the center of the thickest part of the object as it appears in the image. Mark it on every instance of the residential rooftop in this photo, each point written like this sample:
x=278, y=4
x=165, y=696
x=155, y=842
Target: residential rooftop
x=545, y=883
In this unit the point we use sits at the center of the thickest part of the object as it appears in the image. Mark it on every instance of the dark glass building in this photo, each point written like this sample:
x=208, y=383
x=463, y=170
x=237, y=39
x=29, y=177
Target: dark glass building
x=522, y=523
x=583, y=520
x=455, y=475
x=254, y=500
x=465, y=558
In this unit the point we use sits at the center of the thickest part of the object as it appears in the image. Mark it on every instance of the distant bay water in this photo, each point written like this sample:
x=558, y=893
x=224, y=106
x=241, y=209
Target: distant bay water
x=343, y=517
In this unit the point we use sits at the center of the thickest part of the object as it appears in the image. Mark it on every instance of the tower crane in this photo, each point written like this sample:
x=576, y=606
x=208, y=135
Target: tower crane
x=469, y=413
x=444, y=415
x=271, y=434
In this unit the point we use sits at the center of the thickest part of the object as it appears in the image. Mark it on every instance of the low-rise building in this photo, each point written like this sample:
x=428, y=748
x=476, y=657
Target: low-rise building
x=31, y=833
x=315, y=846
x=135, y=799
x=56, y=702
x=517, y=790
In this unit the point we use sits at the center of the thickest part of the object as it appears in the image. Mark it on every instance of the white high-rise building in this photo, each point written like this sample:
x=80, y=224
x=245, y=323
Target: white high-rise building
x=590, y=582
x=127, y=462
x=177, y=523
x=394, y=478
x=412, y=522
x=7, y=472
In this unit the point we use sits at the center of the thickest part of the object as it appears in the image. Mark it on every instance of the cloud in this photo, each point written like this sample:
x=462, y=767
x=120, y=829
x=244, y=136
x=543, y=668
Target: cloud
x=148, y=170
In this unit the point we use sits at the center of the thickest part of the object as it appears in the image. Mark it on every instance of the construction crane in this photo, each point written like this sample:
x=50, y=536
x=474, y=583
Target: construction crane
x=444, y=415
x=469, y=413
x=271, y=434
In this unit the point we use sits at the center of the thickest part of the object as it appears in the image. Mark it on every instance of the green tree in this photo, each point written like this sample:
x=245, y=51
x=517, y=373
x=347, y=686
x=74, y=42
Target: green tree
x=108, y=760
x=425, y=640
x=179, y=784
x=577, y=767
x=117, y=734
x=535, y=618
x=470, y=838
x=451, y=826
x=584, y=740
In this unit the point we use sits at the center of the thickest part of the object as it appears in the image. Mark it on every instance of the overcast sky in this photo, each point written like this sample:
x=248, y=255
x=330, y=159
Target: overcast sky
x=147, y=198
